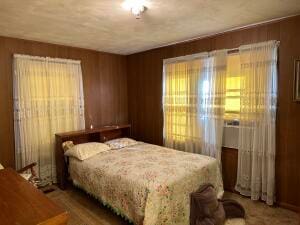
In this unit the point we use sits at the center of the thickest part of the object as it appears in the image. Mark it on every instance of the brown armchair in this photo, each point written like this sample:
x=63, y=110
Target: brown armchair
x=32, y=177
x=30, y=166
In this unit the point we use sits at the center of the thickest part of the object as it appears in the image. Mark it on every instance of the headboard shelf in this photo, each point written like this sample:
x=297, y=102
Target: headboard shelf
x=100, y=134
x=94, y=130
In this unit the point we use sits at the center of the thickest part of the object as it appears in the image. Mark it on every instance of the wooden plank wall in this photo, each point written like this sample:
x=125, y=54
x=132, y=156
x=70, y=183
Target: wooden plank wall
x=104, y=80
x=106, y=84
x=145, y=94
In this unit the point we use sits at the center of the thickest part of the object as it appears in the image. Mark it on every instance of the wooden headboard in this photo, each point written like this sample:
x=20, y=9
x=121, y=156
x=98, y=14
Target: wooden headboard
x=101, y=134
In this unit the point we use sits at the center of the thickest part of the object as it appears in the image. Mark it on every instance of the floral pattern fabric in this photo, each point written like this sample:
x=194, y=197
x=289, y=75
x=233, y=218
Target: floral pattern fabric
x=148, y=184
x=121, y=143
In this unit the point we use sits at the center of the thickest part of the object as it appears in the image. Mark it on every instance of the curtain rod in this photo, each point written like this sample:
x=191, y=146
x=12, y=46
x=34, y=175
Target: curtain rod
x=186, y=57
x=203, y=54
x=233, y=50
x=39, y=58
x=196, y=56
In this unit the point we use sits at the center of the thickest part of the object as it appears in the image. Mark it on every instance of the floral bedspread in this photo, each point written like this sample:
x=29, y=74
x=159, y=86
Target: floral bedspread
x=148, y=184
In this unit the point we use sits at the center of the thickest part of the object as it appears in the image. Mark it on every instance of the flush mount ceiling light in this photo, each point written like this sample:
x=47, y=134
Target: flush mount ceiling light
x=137, y=7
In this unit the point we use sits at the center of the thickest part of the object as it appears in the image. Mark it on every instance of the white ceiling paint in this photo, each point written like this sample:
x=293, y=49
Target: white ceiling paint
x=104, y=25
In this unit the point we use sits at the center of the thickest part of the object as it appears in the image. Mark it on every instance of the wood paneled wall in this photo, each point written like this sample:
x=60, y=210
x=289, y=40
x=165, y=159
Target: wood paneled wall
x=145, y=94
x=104, y=80
x=105, y=88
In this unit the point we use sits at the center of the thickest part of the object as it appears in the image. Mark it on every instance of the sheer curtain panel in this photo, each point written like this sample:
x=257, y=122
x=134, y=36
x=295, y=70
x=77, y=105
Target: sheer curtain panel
x=257, y=136
x=212, y=103
x=48, y=99
x=182, y=130
x=194, y=102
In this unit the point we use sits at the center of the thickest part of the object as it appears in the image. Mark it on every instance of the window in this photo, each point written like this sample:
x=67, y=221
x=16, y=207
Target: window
x=186, y=84
x=48, y=99
x=180, y=101
x=178, y=87
x=233, y=88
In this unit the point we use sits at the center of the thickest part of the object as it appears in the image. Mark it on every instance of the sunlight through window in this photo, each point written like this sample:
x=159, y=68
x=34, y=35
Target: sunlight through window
x=233, y=88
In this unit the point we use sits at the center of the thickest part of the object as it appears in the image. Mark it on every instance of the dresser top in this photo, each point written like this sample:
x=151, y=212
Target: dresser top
x=22, y=204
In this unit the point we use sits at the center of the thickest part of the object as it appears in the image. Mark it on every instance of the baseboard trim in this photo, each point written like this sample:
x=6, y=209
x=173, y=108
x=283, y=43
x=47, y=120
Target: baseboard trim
x=289, y=206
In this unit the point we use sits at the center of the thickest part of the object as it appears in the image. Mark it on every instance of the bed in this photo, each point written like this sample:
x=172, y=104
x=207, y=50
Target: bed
x=147, y=184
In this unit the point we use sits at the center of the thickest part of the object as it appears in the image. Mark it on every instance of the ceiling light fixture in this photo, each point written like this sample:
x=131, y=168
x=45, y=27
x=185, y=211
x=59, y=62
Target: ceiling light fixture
x=137, y=7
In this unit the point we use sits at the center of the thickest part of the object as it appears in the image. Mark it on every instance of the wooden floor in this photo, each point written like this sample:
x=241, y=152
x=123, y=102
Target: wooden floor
x=85, y=210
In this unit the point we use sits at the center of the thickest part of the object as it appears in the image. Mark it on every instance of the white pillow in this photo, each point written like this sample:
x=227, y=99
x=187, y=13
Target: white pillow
x=67, y=145
x=86, y=150
x=1, y=167
x=121, y=143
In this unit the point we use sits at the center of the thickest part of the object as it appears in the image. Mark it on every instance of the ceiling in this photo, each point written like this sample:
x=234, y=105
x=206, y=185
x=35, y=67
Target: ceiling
x=104, y=25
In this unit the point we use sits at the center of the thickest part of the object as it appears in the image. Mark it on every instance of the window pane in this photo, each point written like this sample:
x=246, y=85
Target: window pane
x=180, y=100
x=233, y=87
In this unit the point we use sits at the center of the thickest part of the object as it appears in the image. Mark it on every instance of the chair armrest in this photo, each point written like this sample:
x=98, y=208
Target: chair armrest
x=30, y=166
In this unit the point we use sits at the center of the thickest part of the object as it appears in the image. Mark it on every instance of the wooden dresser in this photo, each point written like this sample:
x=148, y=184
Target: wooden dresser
x=22, y=204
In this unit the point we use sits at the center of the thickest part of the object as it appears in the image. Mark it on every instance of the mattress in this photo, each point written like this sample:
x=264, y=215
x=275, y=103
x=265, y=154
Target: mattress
x=148, y=184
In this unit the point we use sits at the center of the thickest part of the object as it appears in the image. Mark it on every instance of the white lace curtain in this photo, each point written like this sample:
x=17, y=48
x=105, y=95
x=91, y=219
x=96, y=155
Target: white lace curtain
x=257, y=136
x=194, y=104
x=212, y=103
x=180, y=103
x=194, y=101
x=48, y=99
